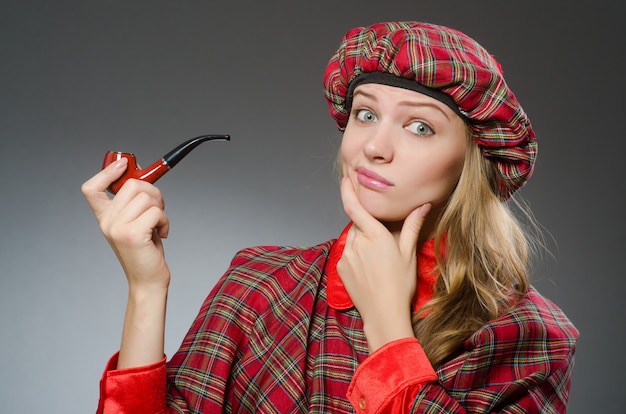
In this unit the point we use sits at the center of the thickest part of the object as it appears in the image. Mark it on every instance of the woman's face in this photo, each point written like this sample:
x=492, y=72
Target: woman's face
x=401, y=149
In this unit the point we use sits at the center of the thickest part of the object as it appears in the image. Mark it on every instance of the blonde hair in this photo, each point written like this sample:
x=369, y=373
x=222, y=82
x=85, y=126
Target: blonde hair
x=484, y=269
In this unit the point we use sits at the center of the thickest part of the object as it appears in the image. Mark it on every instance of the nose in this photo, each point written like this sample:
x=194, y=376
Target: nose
x=379, y=146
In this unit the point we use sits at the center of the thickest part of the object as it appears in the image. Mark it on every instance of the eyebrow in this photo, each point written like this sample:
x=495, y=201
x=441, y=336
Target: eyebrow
x=404, y=103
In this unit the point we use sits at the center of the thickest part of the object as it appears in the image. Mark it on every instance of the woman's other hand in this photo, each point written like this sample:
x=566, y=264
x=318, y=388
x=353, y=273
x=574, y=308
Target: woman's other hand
x=379, y=270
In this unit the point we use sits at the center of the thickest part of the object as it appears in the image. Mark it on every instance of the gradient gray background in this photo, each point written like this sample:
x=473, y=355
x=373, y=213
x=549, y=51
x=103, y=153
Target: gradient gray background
x=83, y=77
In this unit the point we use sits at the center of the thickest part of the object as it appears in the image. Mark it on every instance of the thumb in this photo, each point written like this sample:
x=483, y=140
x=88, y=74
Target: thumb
x=411, y=229
x=94, y=188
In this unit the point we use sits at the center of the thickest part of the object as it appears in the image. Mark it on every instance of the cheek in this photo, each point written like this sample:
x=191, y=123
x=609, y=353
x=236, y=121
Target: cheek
x=438, y=176
x=342, y=161
x=347, y=153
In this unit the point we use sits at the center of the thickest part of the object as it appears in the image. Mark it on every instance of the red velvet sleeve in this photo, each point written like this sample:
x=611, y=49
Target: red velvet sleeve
x=388, y=380
x=133, y=390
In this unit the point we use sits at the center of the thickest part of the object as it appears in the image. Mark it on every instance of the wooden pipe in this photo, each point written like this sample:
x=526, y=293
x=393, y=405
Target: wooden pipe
x=160, y=167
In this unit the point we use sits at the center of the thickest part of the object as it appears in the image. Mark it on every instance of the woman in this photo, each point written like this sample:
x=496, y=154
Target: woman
x=423, y=302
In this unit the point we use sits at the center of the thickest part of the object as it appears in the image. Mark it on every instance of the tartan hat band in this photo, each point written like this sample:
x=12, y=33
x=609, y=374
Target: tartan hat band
x=385, y=78
x=447, y=61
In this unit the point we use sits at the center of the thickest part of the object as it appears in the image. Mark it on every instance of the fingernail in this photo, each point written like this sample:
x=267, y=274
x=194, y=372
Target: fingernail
x=120, y=163
x=424, y=209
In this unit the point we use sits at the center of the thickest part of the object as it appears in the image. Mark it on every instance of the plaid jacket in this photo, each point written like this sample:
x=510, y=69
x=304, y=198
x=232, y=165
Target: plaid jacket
x=266, y=341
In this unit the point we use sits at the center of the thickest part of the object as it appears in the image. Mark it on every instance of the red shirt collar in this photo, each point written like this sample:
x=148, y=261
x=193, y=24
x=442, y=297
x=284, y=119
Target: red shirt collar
x=337, y=295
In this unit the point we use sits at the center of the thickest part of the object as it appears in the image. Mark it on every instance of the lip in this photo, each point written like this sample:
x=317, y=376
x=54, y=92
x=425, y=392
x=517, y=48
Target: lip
x=372, y=180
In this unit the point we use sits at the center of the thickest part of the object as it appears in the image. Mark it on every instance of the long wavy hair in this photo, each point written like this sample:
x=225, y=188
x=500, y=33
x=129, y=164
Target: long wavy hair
x=484, y=269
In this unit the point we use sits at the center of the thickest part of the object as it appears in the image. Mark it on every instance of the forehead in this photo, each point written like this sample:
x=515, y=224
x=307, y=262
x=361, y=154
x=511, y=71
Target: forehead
x=395, y=95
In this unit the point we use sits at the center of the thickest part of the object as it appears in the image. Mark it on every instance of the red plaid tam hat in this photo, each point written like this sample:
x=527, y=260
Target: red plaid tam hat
x=447, y=65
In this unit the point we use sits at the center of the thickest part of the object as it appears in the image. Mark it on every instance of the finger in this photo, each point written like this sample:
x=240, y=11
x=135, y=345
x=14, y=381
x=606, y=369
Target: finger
x=411, y=229
x=136, y=223
x=156, y=219
x=353, y=208
x=130, y=203
x=94, y=188
x=134, y=187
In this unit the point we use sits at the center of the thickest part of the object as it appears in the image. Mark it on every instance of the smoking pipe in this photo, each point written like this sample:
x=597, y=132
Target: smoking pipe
x=160, y=167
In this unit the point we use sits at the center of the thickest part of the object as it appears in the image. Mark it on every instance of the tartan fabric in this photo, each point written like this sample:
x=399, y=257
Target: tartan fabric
x=266, y=341
x=449, y=61
x=521, y=362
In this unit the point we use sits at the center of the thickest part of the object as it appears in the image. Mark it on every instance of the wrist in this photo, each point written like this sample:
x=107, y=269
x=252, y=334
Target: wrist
x=385, y=330
x=155, y=285
x=142, y=291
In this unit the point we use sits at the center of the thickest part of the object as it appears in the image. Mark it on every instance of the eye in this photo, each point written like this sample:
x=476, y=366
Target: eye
x=365, y=115
x=420, y=128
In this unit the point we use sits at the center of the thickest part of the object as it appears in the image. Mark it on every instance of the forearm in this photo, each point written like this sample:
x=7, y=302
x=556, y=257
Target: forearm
x=144, y=327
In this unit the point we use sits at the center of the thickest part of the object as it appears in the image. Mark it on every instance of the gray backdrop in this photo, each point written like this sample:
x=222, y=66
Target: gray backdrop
x=83, y=77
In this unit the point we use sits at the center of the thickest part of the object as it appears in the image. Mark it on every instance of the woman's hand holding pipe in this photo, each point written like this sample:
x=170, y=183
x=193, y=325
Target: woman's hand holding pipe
x=133, y=222
x=380, y=271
